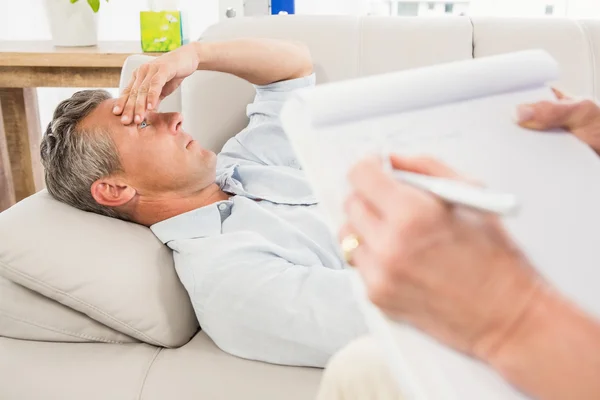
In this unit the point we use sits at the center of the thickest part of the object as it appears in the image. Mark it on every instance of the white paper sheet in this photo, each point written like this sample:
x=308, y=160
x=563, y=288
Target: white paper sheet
x=469, y=124
x=396, y=92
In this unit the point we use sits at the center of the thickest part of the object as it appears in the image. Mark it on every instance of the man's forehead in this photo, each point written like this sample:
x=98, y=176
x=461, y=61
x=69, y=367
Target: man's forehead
x=107, y=105
x=102, y=115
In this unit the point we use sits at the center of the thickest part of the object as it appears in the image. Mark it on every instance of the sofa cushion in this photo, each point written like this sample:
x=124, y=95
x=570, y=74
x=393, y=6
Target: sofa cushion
x=115, y=272
x=199, y=370
x=25, y=314
x=32, y=370
x=570, y=42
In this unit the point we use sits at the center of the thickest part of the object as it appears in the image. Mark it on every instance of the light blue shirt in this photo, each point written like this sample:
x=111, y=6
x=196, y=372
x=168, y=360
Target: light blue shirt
x=262, y=269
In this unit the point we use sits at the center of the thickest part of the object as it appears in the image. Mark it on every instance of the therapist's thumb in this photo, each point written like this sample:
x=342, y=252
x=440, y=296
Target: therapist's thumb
x=423, y=165
x=546, y=115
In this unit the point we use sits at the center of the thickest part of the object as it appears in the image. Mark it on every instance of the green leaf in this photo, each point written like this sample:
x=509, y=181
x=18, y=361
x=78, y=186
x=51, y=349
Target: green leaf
x=74, y=1
x=95, y=4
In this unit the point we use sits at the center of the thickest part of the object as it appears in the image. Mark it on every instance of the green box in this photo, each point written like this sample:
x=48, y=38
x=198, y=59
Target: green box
x=161, y=31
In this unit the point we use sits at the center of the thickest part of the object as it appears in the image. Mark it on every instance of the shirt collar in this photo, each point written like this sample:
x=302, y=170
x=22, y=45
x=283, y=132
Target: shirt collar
x=201, y=222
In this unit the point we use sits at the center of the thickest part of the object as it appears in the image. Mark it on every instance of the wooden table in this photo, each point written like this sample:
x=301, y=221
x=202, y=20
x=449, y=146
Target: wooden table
x=25, y=66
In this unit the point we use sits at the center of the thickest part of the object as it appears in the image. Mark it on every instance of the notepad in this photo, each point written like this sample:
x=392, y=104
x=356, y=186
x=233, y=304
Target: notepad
x=463, y=114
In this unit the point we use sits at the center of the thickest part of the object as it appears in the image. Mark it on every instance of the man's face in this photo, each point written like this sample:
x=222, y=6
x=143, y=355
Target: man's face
x=157, y=156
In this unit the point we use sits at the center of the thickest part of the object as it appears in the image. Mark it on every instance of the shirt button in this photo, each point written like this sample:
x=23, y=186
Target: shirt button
x=222, y=206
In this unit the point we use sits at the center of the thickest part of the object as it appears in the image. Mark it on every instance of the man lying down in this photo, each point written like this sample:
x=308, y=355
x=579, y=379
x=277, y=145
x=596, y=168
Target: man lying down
x=263, y=272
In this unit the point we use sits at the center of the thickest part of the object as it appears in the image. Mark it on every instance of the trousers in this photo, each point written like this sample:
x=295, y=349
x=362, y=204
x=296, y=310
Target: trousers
x=358, y=372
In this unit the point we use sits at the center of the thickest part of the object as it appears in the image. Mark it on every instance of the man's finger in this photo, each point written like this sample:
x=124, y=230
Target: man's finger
x=129, y=108
x=170, y=87
x=141, y=101
x=157, y=85
x=122, y=100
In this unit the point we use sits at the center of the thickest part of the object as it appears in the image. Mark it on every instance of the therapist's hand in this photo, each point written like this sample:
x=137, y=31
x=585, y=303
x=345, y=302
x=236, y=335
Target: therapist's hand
x=452, y=272
x=580, y=117
x=154, y=81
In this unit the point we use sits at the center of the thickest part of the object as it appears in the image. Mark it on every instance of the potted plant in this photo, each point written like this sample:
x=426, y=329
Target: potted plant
x=73, y=22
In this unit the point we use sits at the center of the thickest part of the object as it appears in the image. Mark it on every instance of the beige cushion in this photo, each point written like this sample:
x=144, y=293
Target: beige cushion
x=90, y=371
x=591, y=28
x=414, y=43
x=200, y=370
x=73, y=371
x=115, y=272
x=25, y=314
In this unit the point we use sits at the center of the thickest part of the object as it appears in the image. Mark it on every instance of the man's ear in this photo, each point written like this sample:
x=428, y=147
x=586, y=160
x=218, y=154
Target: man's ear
x=112, y=192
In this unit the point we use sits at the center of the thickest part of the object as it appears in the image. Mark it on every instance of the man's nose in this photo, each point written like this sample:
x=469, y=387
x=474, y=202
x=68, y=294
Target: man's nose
x=175, y=121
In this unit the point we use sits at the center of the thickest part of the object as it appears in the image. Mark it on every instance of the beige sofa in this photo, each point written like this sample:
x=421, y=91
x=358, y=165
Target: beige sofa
x=91, y=308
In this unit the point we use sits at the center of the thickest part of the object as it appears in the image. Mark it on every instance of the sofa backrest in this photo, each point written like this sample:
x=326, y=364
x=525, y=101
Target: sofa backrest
x=214, y=104
x=130, y=292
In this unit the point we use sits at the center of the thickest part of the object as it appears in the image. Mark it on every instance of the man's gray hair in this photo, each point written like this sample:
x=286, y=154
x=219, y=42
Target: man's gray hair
x=74, y=158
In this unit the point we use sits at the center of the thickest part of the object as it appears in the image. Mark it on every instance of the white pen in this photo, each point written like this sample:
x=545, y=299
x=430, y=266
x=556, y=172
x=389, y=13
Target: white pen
x=462, y=193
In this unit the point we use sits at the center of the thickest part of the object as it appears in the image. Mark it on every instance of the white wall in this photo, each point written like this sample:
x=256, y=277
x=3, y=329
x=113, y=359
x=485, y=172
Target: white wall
x=584, y=8
x=119, y=20
x=440, y=8
x=533, y=8
x=522, y=8
x=332, y=7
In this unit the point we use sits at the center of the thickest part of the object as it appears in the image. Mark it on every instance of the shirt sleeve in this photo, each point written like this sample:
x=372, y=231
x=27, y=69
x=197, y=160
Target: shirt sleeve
x=264, y=141
x=259, y=306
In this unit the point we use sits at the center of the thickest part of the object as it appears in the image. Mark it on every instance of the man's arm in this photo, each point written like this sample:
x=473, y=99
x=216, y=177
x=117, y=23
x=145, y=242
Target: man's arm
x=260, y=61
x=257, y=305
x=264, y=140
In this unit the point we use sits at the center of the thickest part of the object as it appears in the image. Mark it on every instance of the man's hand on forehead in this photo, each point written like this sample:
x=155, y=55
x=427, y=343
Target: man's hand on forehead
x=258, y=61
x=154, y=81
